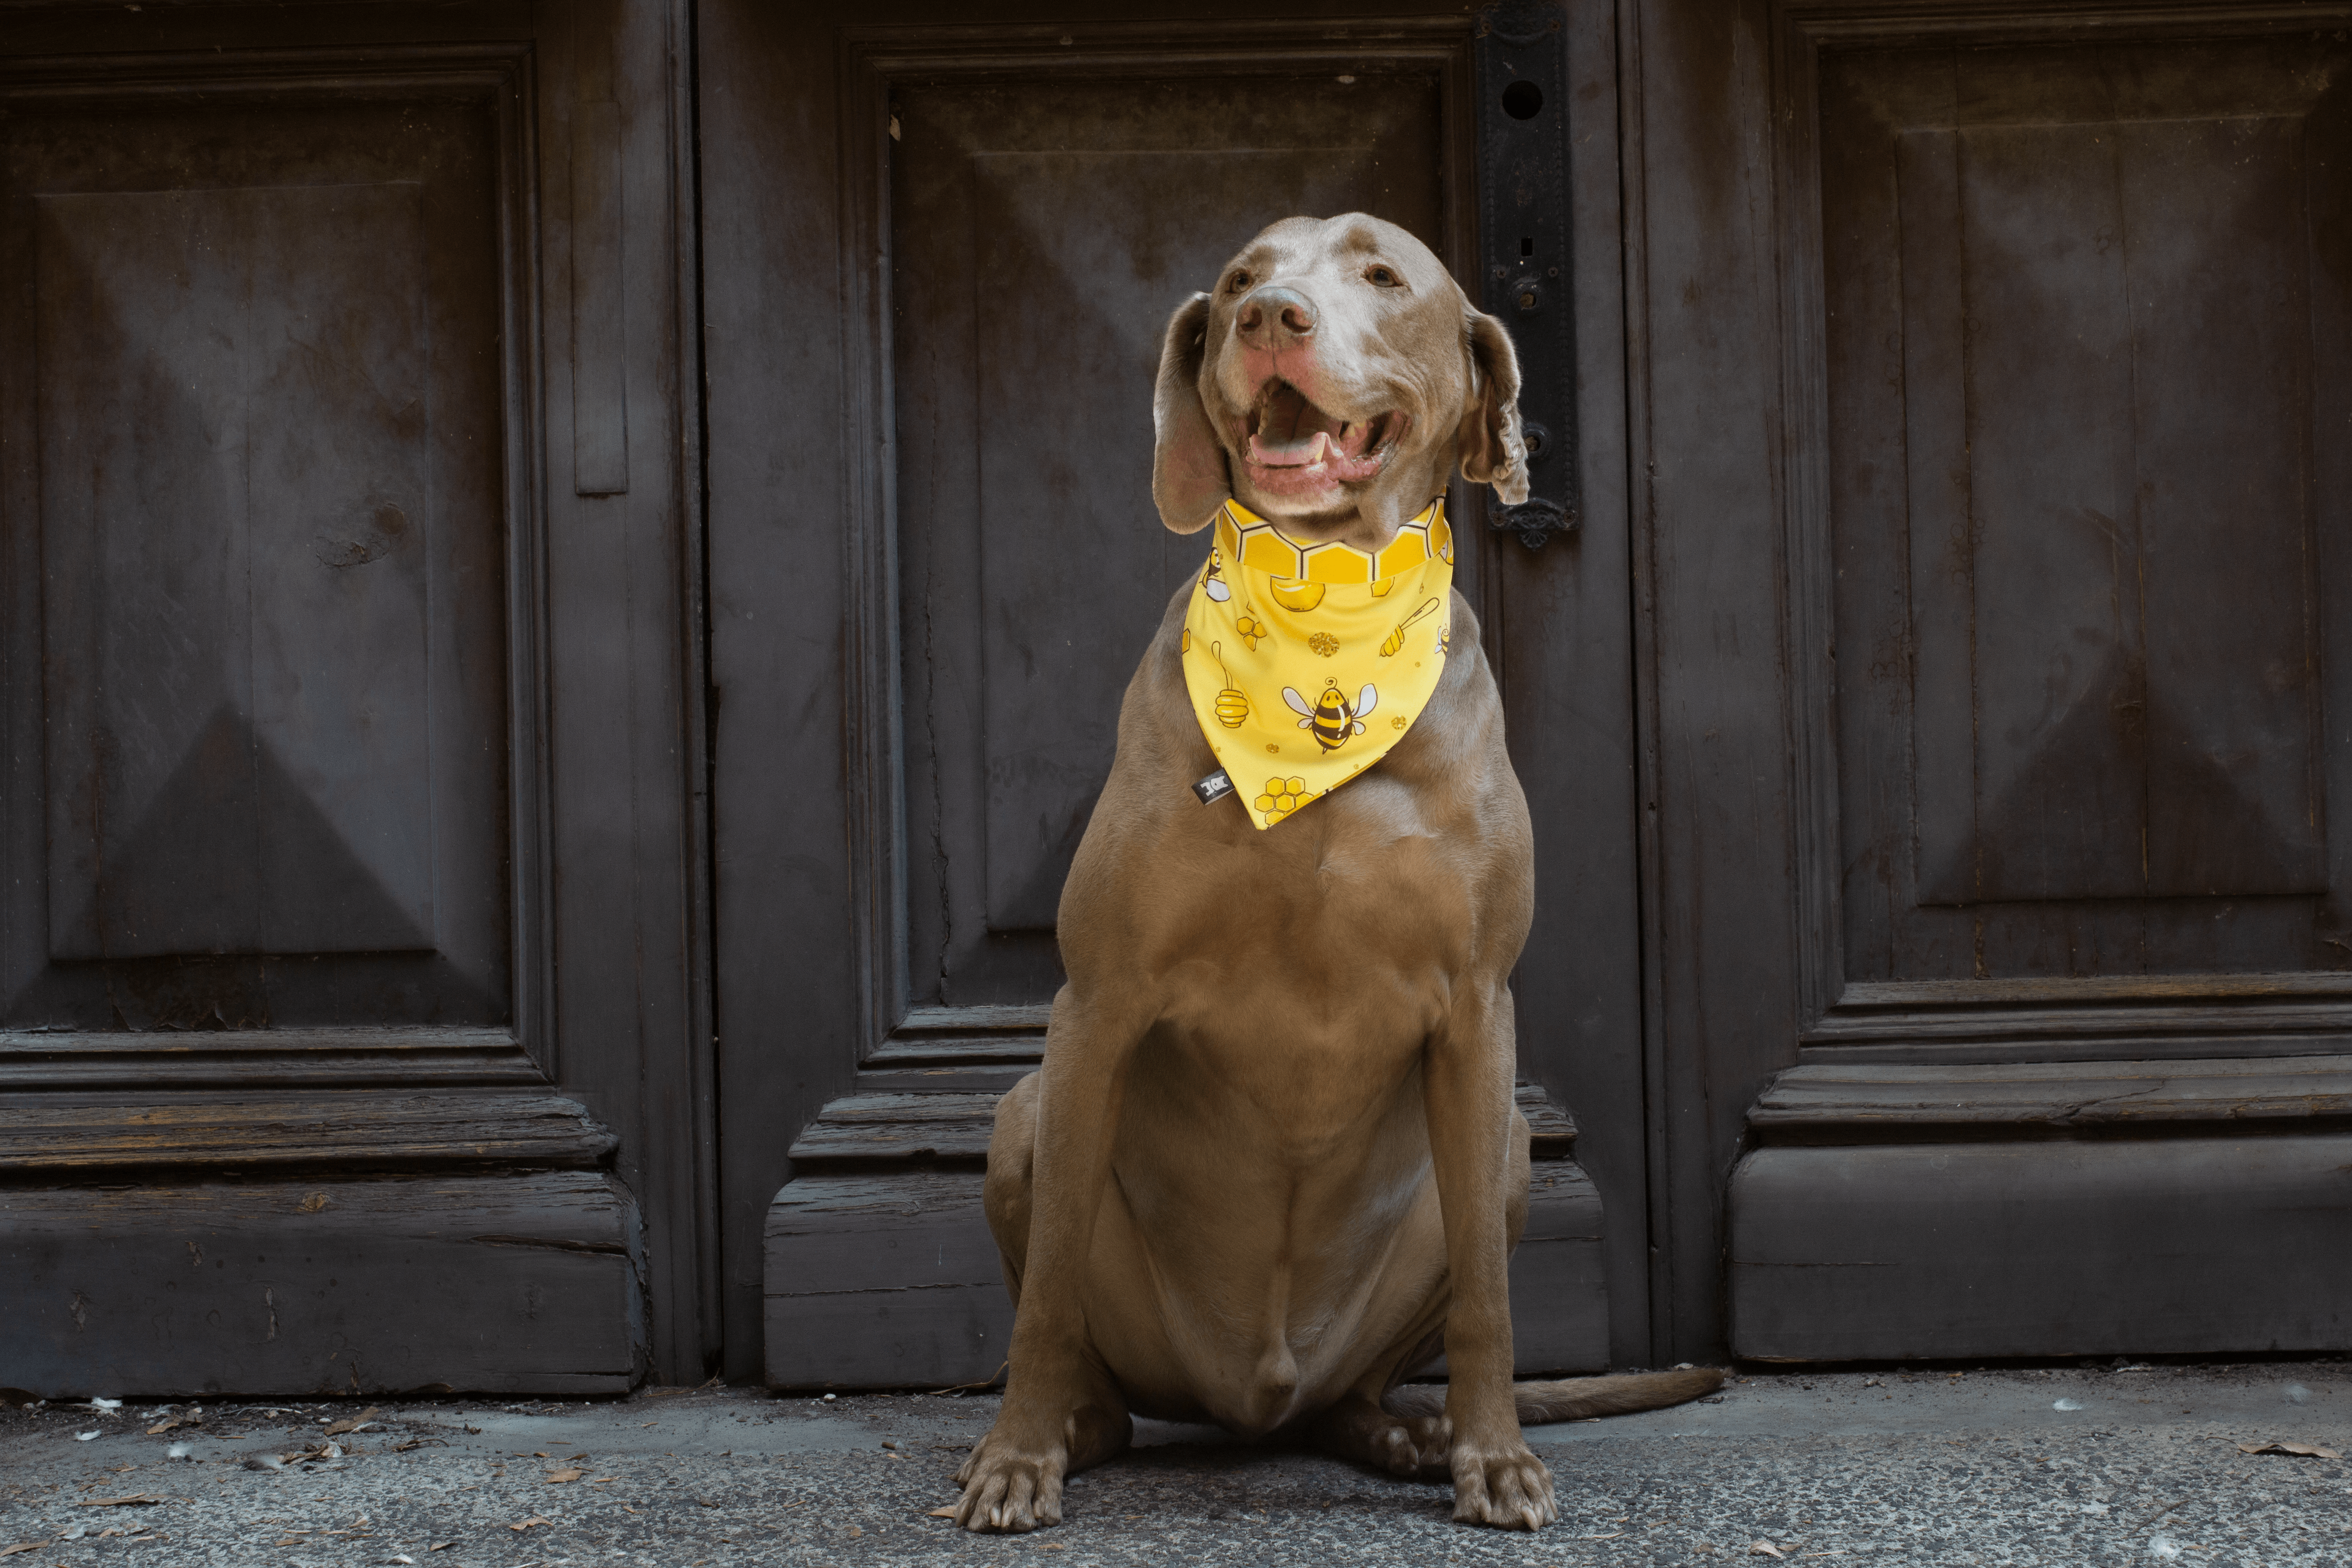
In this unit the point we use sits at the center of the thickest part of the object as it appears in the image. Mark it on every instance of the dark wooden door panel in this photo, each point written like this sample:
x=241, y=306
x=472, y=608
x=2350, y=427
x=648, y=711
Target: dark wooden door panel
x=2132, y=423
x=233, y=412
x=2083, y=334
x=350, y=703
x=1042, y=233
x=259, y=687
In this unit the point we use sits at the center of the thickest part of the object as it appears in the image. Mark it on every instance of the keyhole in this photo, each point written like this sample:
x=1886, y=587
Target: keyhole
x=1527, y=246
x=1523, y=101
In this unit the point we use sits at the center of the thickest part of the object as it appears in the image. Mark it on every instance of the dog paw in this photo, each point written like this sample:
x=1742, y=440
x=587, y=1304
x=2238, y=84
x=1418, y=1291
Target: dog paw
x=1009, y=1493
x=1416, y=1449
x=1508, y=1487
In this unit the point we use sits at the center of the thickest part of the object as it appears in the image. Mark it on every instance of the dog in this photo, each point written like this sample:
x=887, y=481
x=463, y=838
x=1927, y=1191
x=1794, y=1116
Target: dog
x=1270, y=1166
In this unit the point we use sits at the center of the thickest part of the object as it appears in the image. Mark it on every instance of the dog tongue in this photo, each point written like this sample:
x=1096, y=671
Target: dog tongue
x=1292, y=433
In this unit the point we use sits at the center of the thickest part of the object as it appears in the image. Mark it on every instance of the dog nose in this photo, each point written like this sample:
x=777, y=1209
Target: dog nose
x=1274, y=313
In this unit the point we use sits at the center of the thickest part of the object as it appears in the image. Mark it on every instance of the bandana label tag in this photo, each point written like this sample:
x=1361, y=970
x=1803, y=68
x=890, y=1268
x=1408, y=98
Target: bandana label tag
x=1213, y=788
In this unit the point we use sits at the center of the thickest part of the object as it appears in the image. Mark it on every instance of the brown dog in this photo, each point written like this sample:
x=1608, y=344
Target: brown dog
x=1271, y=1165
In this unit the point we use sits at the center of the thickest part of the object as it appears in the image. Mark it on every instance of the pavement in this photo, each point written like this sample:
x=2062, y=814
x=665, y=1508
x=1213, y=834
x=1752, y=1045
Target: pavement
x=2059, y=1465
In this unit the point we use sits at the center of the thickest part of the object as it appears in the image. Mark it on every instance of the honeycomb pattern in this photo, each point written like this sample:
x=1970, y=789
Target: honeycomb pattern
x=1281, y=797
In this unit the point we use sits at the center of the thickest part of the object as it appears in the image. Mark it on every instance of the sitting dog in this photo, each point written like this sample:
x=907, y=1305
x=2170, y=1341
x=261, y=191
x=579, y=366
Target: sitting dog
x=1271, y=1166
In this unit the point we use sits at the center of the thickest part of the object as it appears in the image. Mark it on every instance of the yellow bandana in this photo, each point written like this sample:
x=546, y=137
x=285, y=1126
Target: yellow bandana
x=1307, y=662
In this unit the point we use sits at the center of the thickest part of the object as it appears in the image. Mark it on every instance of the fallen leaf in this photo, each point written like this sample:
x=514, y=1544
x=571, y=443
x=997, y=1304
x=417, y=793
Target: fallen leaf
x=540, y=1454
x=935, y=1513
x=354, y=1424
x=526, y=1524
x=2304, y=1450
x=442, y=1547
x=1764, y=1549
x=22, y=1546
x=160, y=1427
x=133, y=1501
x=557, y=1478
x=604, y=1480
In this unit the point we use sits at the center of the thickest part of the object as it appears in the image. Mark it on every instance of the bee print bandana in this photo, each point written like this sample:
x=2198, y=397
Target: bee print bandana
x=1307, y=662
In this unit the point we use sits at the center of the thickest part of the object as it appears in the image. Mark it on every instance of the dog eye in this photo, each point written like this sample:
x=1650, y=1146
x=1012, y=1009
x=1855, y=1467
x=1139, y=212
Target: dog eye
x=1382, y=277
x=1237, y=282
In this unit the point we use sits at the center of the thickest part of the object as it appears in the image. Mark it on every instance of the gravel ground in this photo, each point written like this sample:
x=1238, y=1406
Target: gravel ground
x=2014, y=1466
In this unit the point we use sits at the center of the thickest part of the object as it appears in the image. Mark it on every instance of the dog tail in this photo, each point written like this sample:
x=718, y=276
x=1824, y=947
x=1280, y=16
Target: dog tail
x=1573, y=1398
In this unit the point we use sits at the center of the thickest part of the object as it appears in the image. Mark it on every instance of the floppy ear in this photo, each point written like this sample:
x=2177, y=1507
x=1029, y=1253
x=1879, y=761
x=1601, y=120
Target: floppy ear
x=1489, y=443
x=1187, y=466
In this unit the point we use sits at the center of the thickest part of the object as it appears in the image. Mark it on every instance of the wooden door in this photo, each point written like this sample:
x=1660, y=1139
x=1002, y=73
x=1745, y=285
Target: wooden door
x=1995, y=542
x=1024, y=202
x=345, y=850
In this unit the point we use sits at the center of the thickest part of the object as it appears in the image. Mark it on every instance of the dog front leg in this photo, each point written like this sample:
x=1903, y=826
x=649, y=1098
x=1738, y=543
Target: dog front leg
x=1061, y=1411
x=1466, y=1080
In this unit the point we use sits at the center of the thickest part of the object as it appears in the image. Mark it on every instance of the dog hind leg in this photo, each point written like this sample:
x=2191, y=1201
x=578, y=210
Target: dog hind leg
x=1361, y=1428
x=1401, y=1428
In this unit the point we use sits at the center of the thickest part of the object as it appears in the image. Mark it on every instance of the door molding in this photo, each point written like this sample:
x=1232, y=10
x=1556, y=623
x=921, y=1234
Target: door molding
x=1839, y=1020
x=871, y=62
x=497, y=76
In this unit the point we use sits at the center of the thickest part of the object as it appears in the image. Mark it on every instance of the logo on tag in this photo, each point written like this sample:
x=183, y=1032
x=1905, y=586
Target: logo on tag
x=1213, y=788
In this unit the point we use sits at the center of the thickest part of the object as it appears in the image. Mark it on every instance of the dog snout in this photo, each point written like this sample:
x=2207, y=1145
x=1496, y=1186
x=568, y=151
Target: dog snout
x=1274, y=315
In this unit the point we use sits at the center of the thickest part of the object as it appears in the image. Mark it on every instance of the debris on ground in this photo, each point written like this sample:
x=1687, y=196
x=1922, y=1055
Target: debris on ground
x=1813, y=1467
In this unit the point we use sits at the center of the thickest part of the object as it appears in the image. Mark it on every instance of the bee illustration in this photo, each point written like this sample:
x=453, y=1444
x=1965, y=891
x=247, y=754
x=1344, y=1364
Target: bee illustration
x=1332, y=719
x=1445, y=639
x=1396, y=638
x=1213, y=579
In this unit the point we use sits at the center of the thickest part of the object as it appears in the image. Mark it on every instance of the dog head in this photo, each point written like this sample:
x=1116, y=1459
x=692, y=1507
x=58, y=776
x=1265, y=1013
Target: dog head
x=1333, y=380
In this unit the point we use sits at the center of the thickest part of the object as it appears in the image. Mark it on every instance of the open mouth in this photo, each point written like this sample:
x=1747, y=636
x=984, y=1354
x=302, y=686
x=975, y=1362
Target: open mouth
x=1294, y=446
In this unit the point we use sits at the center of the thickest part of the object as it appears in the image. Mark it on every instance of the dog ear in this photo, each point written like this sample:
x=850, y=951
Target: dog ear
x=1187, y=466
x=1489, y=445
